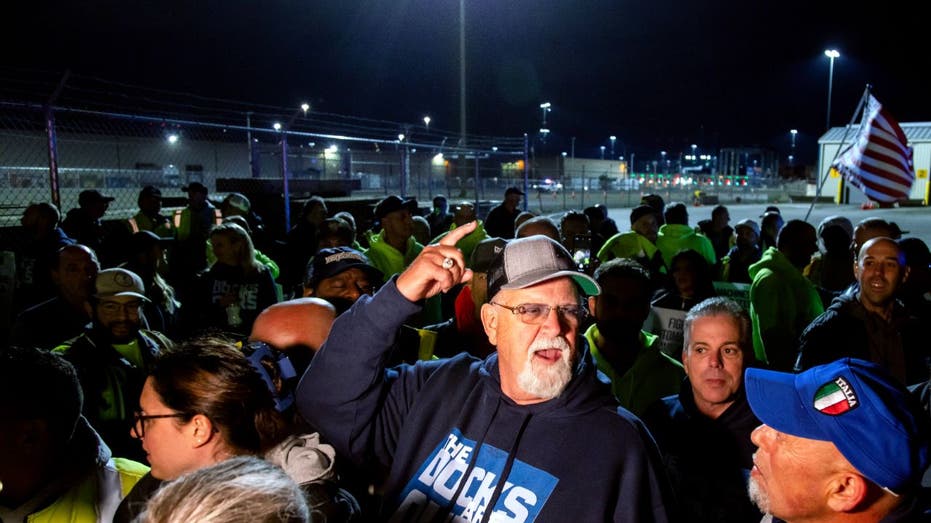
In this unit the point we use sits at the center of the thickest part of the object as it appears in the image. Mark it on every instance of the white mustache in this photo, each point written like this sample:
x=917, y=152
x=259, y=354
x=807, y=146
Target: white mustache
x=549, y=343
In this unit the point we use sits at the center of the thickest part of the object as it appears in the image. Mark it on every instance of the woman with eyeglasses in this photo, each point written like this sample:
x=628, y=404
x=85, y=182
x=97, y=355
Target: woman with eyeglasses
x=209, y=400
x=201, y=403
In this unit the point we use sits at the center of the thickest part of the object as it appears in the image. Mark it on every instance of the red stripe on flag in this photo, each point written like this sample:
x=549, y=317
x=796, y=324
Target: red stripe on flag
x=880, y=161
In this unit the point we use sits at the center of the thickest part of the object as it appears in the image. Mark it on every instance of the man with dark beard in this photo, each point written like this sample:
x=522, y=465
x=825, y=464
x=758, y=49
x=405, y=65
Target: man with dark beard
x=640, y=373
x=529, y=433
x=112, y=358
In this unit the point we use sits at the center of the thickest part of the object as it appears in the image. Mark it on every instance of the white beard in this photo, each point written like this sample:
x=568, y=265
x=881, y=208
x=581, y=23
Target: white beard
x=757, y=496
x=546, y=381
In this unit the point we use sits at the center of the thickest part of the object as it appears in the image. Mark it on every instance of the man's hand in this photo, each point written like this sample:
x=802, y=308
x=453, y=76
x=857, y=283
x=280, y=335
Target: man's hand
x=427, y=276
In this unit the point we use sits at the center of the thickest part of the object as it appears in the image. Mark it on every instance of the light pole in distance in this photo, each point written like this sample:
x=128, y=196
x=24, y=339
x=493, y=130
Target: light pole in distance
x=831, y=54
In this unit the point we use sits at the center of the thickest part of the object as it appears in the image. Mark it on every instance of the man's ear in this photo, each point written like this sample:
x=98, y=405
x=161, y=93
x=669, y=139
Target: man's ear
x=490, y=322
x=846, y=491
x=591, y=305
x=905, y=273
x=308, y=292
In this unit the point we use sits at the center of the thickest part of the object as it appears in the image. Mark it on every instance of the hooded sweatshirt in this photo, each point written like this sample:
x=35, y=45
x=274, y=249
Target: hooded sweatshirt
x=674, y=237
x=709, y=478
x=782, y=303
x=576, y=457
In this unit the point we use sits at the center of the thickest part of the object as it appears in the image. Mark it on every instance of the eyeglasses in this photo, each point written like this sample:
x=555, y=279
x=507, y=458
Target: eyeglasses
x=114, y=307
x=140, y=419
x=536, y=313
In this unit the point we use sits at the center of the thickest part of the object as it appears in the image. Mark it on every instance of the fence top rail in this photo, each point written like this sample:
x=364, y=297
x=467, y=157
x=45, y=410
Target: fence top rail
x=505, y=146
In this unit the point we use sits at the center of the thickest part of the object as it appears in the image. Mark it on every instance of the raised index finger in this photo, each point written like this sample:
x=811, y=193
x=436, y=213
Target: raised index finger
x=458, y=233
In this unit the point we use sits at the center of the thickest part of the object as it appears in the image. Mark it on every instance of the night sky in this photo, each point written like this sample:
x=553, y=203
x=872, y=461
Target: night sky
x=659, y=75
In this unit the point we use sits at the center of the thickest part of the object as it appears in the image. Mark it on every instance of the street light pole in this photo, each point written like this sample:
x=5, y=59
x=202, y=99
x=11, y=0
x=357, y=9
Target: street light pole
x=462, y=75
x=545, y=107
x=602, y=152
x=613, y=139
x=832, y=54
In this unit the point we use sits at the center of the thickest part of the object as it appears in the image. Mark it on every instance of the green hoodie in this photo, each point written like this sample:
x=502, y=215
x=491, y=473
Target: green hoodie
x=468, y=242
x=674, y=237
x=653, y=375
x=389, y=260
x=782, y=303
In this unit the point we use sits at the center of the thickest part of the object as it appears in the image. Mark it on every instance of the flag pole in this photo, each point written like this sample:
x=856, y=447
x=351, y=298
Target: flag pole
x=841, y=149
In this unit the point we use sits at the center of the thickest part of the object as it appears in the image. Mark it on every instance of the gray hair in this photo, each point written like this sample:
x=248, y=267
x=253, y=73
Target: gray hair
x=237, y=490
x=720, y=306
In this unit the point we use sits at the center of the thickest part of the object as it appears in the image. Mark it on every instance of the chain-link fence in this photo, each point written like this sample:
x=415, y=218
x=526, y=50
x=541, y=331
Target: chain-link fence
x=53, y=155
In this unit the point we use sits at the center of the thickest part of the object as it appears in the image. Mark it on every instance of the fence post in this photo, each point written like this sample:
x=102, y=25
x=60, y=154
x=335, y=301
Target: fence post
x=52, y=156
x=526, y=169
x=583, y=187
x=52, y=135
x=284, y=180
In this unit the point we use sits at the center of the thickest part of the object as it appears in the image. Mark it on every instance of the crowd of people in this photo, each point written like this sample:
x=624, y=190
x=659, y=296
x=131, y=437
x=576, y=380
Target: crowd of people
x=444, y=366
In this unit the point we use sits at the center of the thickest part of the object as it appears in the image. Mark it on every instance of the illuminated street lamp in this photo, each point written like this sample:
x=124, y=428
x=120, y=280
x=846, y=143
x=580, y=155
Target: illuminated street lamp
x=172, y=138
x=663, y=161
x=545, y=107
x=832, y=54
x=426, y=122
x=793, y=133
x=613, y=139
x=602, y=152
x=305, y=107
x=276, y=126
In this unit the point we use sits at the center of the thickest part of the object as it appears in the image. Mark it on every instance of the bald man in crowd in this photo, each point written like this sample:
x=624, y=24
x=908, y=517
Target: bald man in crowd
x=841, y=442
x=870, y=323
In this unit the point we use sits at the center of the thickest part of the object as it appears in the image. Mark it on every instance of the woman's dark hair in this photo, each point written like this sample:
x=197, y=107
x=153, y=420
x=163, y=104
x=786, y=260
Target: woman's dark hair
x=211, y=376
x=704, y=280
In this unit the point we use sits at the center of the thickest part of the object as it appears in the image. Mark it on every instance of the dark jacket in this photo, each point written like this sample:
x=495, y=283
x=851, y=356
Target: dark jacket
x=846, y=329
x=34, y=262
x=254, y=293
x=111, y=384
x=48, y=325
x=708, y=460
x=500, y=222
x=434, y=422
x=85, y=229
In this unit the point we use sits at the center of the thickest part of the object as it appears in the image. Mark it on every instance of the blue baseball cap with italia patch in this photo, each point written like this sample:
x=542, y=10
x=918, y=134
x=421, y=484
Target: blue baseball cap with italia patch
x=856, y=405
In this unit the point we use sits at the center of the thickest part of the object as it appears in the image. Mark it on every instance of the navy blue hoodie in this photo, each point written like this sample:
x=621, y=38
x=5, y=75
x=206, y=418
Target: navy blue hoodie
x=578, y=457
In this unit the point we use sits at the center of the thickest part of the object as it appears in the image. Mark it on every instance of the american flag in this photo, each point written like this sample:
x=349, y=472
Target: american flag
x=879, y=163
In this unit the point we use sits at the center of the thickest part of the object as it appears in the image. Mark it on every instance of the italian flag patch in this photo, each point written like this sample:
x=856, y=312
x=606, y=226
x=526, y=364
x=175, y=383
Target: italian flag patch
x=835, y=397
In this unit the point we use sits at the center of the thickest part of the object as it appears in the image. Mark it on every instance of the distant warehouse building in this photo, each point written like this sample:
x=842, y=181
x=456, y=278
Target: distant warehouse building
x=838, y=138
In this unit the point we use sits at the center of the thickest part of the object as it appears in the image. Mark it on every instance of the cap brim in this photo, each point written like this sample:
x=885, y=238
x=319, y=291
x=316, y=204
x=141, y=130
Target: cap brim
x=774, y=399
x=126, y=293
x=367, y=269
x=589, y=286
